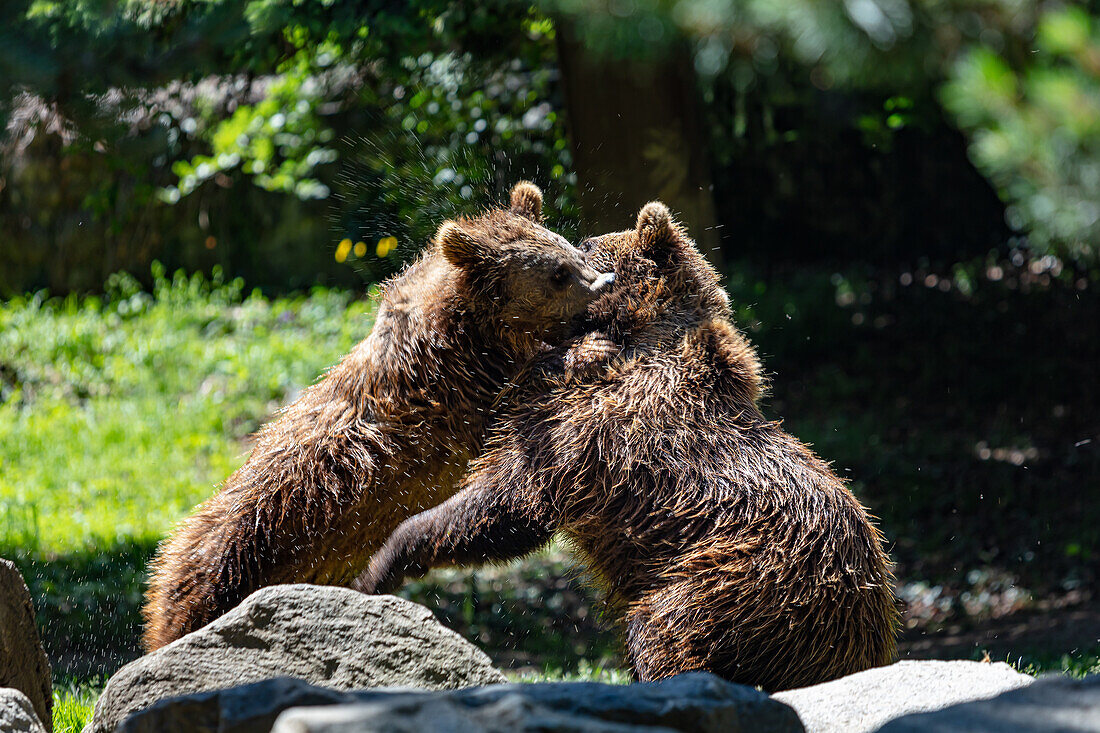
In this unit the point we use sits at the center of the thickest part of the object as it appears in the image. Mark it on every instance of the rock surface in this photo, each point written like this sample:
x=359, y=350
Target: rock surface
x=867, y=700
x=1053, y=703
x=23, y=663
x=245, y=709
x=692, y=702
x=17, y=714
x=332, y=637
x=689, y=702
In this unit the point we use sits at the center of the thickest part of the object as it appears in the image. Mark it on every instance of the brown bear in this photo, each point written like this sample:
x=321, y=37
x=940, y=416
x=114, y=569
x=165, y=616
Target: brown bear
x=388, y=431
x=722, y=542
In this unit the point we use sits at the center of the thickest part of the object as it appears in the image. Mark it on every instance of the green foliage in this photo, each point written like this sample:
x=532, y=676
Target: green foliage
x=393, y=115
x=1035, y=128
x=136, y=44
x=874, y=44
x=449, y=139
x=869, y=43
x=73, y=704
x=279, y=141
x=1021, y=79
x=376, y=106
x=435, y=136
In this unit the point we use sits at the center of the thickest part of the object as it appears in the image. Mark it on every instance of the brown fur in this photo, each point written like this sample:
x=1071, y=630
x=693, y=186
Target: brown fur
x=723, y=543
x=388, y=431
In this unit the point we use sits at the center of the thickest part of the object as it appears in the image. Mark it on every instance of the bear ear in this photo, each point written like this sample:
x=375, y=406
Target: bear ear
x=461, y=248
x=656, y=228
x=526, y=200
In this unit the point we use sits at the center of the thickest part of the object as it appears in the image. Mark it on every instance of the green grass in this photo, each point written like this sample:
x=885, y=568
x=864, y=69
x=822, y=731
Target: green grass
x=583, y=672
x=1078, y=663
x=73, y=703
x=119, y=414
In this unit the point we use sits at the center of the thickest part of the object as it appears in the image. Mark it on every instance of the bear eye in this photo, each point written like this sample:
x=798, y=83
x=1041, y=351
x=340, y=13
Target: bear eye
x=560, y=277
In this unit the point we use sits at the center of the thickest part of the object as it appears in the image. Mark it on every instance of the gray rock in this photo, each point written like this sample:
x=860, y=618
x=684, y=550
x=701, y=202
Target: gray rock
x=244, y=709
x=690, y=702
x=23, y=663
x=17, y=713
x=332, y=637
x=513, y=713
x=1053, y=703
x=867, y=700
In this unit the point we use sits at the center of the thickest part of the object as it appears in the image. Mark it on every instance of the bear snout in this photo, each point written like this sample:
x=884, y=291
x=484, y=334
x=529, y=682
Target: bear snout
x=603, y=281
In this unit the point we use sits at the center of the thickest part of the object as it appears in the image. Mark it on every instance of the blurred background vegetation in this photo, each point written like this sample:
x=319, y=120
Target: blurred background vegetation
x=258, y=135
x=904, y=195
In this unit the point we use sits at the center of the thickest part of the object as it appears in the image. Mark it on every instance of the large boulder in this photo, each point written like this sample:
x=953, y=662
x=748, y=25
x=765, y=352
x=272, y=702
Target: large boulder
x=1053, y=703
x=332, y=637
x=691, y=702
x=867, y=700
x=23, y=663
x=17, y=715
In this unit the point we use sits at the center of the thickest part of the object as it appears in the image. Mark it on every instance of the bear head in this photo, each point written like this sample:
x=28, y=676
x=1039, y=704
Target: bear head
x=661, y=277
x=536, y=281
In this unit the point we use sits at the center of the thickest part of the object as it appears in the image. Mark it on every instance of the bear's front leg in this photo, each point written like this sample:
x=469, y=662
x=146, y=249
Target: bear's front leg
x=404, y=554
x=477, y=525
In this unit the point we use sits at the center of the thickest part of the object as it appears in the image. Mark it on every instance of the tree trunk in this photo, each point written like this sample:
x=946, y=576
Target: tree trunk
x=637, y=136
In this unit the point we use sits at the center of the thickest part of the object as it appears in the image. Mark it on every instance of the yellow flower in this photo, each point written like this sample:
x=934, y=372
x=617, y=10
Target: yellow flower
x=386, y=245
x=343, y=249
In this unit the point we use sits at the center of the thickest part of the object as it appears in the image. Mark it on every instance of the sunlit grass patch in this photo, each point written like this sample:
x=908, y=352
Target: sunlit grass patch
x=73, y=703
x=584, y=672
x=119, y=414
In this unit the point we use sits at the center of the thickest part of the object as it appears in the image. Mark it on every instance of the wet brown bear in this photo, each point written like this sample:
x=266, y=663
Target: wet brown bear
x=389, y=430
x=723, y=543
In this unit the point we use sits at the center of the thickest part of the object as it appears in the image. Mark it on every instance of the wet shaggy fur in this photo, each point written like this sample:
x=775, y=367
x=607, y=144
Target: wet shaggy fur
x=388, y=431
x=722, y=542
